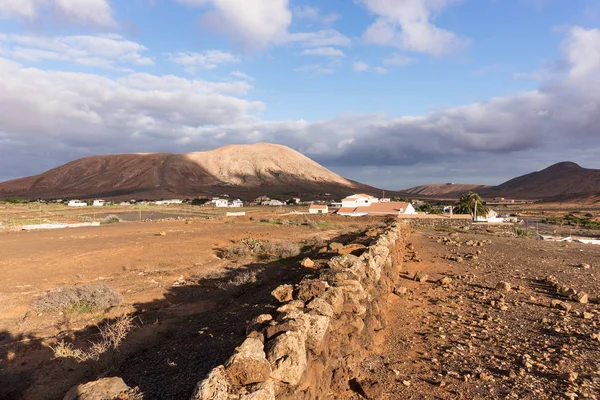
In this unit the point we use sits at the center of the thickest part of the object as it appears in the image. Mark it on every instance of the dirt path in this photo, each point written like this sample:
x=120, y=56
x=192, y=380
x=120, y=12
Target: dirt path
x=471, y=341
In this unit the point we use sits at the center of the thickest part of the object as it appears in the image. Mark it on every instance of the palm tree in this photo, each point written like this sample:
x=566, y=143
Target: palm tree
x=466, y=204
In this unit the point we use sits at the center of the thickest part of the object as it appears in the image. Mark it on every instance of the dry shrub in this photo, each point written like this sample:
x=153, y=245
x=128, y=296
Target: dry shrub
x=244, y=278
x=259, y=249
x=112, y=335
x=83, y=298
x=111, y=219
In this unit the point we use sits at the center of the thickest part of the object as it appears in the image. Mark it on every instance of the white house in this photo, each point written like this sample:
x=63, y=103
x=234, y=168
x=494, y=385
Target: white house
x=221, y=203
x=236, y=203
x=98, y=203
x=273, y=203
x=491, y=217
x=359, y=200
x=318, y=209
x=77, y=203
x=124, y=203
x=379, y=209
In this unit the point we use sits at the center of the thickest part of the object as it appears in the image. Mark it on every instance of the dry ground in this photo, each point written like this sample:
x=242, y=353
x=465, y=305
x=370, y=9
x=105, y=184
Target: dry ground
x=190, y=306
x=471, y=341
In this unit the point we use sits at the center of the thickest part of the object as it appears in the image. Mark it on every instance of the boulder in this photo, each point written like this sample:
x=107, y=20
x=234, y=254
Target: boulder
x=355, y=248
x=335, y=246
x=399, y=290
x=335, y=297
x=582, y=297
x=283, y=293
x=248, y=364
x=287, y=356
x=346, y=261
x=310, y=289
x=321, y=306
x=216, y=386
x=307, y=263
x=421, y=276
x=503, y=287
x=102, y=389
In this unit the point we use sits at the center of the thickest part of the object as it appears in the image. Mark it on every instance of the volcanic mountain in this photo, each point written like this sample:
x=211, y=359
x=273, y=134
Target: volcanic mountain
x=245, y=171
x=562, y=181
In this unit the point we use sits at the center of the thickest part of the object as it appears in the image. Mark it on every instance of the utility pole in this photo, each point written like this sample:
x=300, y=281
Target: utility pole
x=475, y=212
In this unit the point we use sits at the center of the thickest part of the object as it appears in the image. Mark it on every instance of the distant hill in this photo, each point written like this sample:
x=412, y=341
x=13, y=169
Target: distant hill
x=444, y=189
x=565, y=179
x=246, y=171
x=559, y=182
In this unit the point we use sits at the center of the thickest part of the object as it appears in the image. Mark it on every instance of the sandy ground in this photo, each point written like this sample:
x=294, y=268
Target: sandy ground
x=471, y=341
x=189, y=314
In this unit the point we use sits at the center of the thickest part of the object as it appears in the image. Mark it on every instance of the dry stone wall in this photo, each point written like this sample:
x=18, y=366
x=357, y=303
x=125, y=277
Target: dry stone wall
x=314, y=343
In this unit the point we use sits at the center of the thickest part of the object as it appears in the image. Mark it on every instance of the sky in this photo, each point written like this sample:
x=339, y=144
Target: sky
x=392, y=93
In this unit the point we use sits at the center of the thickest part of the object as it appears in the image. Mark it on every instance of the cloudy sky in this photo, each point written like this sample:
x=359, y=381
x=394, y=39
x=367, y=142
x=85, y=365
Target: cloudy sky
x=393, y=93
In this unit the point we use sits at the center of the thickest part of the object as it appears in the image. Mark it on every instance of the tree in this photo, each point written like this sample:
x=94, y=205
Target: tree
x=466, y=204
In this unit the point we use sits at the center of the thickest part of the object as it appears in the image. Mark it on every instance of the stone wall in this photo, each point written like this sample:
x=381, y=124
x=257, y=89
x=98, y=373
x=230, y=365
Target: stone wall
x=441, y=222
x=314, y=343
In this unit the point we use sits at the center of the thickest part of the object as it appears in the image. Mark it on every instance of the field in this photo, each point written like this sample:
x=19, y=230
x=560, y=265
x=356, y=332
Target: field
x=189, y=299
x=468, y=339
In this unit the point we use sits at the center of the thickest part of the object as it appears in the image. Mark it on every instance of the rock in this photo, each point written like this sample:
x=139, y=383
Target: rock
x=399, y=290
x=584, y=266
x=287, y=356
x=559, y=305
x=102, y=389
x=264, y=391
x=216, y=386
x=310, y=289
x=321, y=306
x=335, y=297
x=370, y=389
x=335, y=246
x=582, y=297
x=248, y=364
x=459, y=259
x=421, y=277
x=551, y=280
x=503, y=287
x=307, y=263
x=445, y=281
x=570, y=376
x=162, y=233
x=587, y=315
x=354, y=248
x=317, y=326
x=283, y=293
x=346, y=261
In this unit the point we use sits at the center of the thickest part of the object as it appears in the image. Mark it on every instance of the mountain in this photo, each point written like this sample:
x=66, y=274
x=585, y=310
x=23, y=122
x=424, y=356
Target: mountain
x=565, y=179
x=444, y=190
x=559, y=182
x=245, y=171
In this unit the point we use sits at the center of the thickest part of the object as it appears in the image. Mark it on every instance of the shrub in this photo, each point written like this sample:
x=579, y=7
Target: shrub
x=279, y=250
x=111, y=219
x=260, y=249
x=80, y=298
x=112, y=335
x=244, y=278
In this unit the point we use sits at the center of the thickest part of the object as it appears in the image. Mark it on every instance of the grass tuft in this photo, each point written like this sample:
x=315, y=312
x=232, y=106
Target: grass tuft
x=84, y=298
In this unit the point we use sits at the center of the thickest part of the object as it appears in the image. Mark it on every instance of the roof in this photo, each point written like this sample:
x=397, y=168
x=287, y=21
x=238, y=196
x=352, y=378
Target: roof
x=318, y=207
x=391, y=208
x=359, y=195
x=346, y=210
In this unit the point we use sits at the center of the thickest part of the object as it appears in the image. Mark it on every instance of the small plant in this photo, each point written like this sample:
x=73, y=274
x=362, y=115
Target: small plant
x=244, y=278
x=111, y=219
x=112, y=335
x=261, y=250
x=521, y=232
x=84, y=298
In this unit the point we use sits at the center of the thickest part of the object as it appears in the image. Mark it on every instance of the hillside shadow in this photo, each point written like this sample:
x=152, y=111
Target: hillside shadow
x=13, y=381
x=177, y=339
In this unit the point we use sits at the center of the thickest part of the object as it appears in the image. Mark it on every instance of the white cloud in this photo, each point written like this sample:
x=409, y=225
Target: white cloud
x=255, y=24
x=361, y=66
x=20, y=8
x=326, y=37
x=582, y=51
x=86, y=11
x=406, y=24
x=314, y=14
x=105, y=51
x=209, y=59
x=323, y=51
x=241, y=75
x=83, y=12
x=399, y=60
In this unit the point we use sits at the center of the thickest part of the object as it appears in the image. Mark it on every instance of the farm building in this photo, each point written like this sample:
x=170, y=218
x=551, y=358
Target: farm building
x=379, y=209
x=221, y=203
x=98, y=203
x=359, y=200
x=318, y=209
x=77, y=203
x=236, y=203
x=273, y=203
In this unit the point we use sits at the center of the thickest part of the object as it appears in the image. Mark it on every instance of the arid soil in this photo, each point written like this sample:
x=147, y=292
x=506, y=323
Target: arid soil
x=470, y=340
x=190, y=307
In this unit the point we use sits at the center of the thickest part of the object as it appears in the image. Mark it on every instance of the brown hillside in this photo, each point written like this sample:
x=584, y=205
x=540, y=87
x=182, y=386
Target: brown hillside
x=562, y=180
x=246, y=171
x=443, y=190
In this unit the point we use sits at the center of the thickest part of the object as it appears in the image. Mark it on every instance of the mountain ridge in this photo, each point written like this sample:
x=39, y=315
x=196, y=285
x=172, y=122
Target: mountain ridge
x=241, y=170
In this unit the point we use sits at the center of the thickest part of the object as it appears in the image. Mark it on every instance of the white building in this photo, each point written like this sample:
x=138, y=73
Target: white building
x=168, y=202
x=359, y=200
x=275, y=203
x=236, y=203
x=491, y=217
x=98, y=203
x=318, y=209
x=222, y=203
x=379, y=209
x=77, y=203
x=124, y=203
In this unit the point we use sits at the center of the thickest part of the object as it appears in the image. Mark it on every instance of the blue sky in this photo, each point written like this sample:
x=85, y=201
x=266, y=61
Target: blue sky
x=393, y=93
